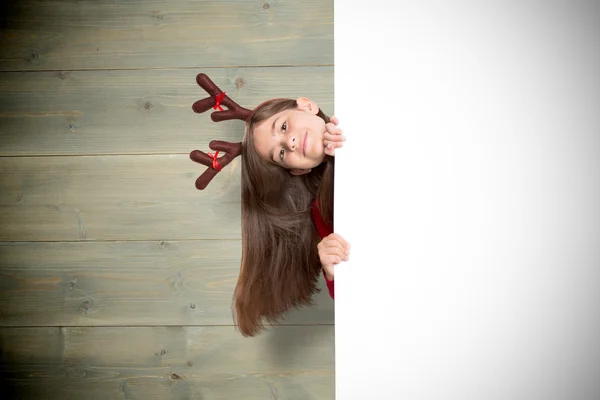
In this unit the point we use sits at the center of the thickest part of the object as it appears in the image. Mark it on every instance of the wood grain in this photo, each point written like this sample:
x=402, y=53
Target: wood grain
x=115, y=198
x=167, y=363
x=89, y=34
x=116, y=274
x=128, y=284
x=137, y=112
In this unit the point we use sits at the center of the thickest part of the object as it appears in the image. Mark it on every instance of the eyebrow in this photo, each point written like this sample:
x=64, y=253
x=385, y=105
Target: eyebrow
x=273, y=133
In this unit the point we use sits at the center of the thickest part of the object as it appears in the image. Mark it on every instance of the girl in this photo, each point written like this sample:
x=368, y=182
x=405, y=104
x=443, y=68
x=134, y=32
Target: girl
x=287, y=152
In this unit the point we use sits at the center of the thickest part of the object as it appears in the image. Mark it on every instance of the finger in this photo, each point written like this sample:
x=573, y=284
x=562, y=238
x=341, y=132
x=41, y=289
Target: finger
x=334, y=137
x=334, y=120
x=336, y=244
x=330, y=128
x=334, y=236
x=336, y=249
x=337, y=237
x=333, y=241
x=340, y=255
x=335, y=145
x=329, y=272
x=333, y=127
x=330, y=260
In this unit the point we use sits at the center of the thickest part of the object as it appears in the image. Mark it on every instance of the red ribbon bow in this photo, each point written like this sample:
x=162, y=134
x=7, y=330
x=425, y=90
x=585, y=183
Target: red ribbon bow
x=215, y=164
x=219, y=98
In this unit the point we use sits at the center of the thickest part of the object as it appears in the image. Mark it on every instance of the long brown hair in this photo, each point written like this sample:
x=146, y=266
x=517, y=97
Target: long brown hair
x=280, y=263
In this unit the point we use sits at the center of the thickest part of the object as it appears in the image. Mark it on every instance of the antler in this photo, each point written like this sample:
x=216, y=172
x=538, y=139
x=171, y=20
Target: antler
x=232, y=150
x=218, y=97
x=213, y=162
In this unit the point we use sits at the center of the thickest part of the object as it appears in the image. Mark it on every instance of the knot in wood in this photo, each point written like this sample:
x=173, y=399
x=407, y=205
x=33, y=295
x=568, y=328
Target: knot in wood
x=163, y=352
x=86, y=305
x=240, y=82
x=266, y=6
x=175, y=377
x=148, y=105
x=192, y=306
x=63, y=75
x=157, y=17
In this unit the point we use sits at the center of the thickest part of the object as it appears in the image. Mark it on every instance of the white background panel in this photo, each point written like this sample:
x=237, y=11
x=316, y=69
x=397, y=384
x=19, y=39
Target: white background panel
x=469, y=189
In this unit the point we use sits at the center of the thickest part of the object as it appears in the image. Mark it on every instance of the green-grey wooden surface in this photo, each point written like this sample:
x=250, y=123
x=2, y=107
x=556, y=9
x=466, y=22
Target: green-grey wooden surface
x=108, y=34
x=167, y=363
x=119, y=197
x=127, y=283
x=116, y=275
x=137, y=112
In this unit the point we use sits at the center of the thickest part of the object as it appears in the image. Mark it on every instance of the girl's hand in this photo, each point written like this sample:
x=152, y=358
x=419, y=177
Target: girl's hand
x=333, y=138
x=333, y=249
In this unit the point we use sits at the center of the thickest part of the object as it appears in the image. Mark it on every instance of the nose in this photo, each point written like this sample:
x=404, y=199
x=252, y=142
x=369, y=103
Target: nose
x=291, y=141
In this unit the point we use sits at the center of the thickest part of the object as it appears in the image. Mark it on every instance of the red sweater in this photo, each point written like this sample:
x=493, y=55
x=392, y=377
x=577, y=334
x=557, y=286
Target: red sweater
x=324, y=229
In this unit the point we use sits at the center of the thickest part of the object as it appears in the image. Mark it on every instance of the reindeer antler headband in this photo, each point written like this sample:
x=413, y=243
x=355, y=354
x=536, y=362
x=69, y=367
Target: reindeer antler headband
x=232, y=150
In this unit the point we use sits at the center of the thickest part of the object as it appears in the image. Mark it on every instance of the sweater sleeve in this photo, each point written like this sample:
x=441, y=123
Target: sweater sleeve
x=323, y=229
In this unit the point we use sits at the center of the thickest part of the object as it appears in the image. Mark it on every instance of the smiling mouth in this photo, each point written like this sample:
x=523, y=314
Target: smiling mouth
x=304, y=144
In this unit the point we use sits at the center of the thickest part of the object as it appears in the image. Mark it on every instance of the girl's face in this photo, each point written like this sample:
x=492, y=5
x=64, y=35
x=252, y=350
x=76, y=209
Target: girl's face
x=292, y=139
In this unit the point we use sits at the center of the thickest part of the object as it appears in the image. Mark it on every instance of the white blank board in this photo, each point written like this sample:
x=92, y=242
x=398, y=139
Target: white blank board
x=469, y=189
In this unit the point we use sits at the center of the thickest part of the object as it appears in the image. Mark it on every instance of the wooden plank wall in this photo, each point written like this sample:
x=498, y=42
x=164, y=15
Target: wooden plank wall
x=116, y=275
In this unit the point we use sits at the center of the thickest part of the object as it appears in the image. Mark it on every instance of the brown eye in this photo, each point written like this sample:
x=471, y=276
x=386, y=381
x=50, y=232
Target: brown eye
x=284, y=127
x=281, y=155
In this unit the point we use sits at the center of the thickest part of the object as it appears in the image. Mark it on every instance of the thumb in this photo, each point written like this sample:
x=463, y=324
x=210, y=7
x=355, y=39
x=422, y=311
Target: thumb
x=329, y=272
